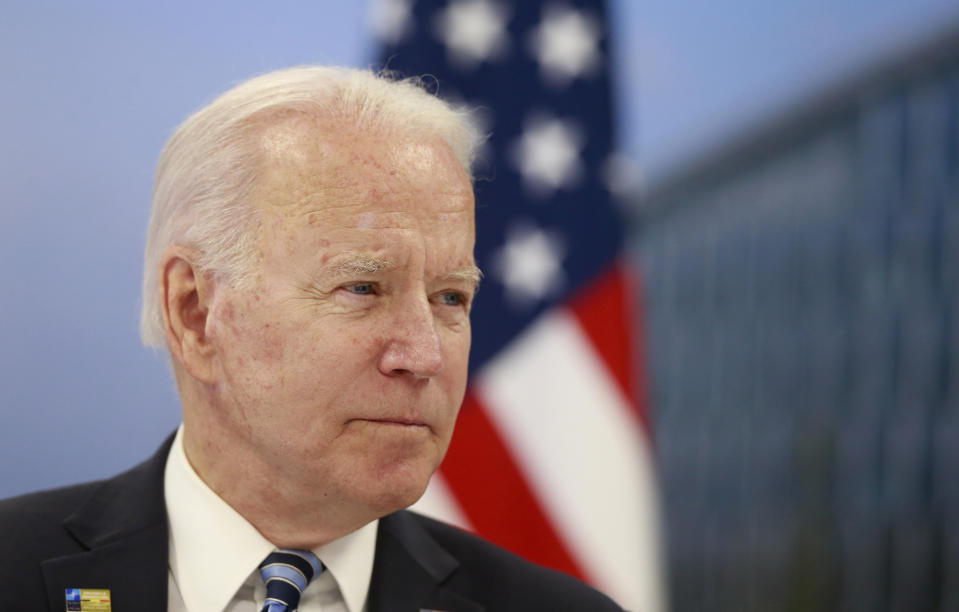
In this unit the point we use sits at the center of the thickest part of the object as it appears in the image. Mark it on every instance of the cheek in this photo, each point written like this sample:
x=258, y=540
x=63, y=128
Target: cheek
x=245, y=338
x=458, y=352
x=335, y=345
x=334, y=360
x=269, y=343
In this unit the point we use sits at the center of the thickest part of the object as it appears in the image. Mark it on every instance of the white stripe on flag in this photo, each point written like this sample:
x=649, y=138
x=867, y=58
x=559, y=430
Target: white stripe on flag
x=584, y=453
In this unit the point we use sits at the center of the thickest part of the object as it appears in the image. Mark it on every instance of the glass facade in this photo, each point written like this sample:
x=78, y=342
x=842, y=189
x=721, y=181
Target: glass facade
x=802, y=333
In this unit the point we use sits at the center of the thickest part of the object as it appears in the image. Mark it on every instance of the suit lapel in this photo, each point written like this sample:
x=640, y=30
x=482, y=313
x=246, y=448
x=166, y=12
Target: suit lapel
x=410, y=569
x=123, y=527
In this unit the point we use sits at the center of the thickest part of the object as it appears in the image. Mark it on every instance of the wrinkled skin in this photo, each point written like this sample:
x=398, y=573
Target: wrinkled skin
x=333, y=383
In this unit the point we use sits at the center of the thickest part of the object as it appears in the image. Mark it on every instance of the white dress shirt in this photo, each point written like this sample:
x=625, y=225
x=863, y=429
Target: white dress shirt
x=214, y=553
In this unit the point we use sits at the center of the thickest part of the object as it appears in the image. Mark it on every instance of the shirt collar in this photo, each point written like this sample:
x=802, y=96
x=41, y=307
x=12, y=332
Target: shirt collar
x=213, y=549
x=350, y=560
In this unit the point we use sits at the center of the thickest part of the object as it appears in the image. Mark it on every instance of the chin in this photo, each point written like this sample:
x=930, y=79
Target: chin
x=398, y=487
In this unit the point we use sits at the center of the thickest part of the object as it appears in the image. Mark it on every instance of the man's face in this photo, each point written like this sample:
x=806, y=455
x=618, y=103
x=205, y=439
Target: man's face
x=344, y=367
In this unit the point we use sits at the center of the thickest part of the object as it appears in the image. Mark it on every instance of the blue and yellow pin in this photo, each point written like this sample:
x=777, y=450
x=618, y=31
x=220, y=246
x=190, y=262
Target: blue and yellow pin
x=88, y=600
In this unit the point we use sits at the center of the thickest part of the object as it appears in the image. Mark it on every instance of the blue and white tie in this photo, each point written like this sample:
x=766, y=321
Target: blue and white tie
x=286, y=573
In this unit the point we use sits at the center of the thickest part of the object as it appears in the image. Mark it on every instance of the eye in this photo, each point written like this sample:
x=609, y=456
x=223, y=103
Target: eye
x=451, y=298
x=361, y=288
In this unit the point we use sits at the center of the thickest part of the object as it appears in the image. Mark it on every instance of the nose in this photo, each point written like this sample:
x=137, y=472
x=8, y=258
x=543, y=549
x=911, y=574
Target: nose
x=414, y=346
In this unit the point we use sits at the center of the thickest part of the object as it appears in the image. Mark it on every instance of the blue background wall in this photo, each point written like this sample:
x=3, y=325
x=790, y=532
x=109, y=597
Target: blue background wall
x=90, y=92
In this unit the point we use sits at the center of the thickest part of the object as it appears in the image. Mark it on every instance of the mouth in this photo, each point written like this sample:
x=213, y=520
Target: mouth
x=397, y=421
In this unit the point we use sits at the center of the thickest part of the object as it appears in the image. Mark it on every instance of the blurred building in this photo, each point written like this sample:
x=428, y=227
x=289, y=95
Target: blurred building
x=801, y=295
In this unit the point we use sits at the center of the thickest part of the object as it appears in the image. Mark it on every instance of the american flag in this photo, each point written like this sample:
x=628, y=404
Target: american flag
x=551, y=454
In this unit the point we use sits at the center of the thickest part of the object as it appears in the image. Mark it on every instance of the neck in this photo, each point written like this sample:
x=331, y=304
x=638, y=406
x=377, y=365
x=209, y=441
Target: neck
x=288, y=513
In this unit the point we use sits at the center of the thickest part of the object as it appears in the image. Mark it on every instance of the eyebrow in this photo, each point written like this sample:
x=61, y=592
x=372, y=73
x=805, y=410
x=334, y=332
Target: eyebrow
x=362, y=264
x=470, y=274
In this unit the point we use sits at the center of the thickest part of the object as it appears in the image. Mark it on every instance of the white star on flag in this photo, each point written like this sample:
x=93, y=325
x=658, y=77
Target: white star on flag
x=528, y=264
x=547, y=154
x=566, y=44
x=473, y=31
x=391, y=20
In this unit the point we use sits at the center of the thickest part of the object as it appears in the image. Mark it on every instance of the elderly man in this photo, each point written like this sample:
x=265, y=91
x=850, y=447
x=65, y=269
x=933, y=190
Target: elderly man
x=310, y=269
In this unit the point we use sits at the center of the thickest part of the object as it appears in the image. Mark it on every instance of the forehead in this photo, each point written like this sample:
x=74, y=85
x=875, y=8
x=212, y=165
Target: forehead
x=315, y=165
x=324, y=188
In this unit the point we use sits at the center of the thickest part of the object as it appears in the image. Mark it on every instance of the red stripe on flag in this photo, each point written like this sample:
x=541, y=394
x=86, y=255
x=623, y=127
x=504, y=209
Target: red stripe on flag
x=485, y=480
x=605, y=310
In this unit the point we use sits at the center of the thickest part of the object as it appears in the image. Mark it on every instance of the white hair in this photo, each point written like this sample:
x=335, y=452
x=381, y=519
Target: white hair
x=206, y=172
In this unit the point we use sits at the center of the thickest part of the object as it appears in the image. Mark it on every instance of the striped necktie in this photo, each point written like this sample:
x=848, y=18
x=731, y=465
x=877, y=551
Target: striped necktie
x=286, y=573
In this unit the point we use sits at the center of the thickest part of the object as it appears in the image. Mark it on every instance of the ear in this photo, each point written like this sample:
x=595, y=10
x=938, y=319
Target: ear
x=185, y=296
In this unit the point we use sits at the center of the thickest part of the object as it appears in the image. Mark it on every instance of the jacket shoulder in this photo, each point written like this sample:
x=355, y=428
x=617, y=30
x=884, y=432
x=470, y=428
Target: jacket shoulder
x=32, y=530
x=43, y=529
x=502, y=580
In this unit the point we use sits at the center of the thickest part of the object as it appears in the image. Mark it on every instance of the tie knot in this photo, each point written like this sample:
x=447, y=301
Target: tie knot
x=287, y=573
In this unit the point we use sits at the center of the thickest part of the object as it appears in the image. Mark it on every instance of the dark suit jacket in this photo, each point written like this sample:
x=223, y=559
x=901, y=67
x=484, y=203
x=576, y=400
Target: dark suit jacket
x=112, y=534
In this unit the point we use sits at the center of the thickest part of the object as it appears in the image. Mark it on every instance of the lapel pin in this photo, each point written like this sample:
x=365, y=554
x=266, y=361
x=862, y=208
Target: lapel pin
x=88, y=600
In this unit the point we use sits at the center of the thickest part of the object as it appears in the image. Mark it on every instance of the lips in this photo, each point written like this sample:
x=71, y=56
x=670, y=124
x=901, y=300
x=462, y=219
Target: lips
x=397, y=421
